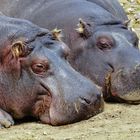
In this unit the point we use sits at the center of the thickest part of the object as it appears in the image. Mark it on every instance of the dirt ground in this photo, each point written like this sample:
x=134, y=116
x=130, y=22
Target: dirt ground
x=117, y=122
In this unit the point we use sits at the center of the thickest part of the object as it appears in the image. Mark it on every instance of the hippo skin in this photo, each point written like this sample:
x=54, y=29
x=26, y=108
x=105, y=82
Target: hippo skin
x=37, y=80
x=103, y=47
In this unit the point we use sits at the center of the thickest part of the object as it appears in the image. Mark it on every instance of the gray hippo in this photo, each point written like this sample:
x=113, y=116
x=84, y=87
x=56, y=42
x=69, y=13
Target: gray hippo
x=37, y=80
x=103, y=48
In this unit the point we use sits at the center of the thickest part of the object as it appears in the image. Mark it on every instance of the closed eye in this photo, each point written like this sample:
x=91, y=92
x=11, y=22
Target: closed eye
x=104, y=42
x=40, y=68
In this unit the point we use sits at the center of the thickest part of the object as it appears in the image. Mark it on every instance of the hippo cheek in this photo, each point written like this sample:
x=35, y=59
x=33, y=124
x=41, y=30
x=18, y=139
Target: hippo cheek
x=41, y=109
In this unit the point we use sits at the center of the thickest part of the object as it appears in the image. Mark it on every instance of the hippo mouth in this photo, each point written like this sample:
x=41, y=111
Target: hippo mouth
x=112, y=94
x=50, y=113
x=107, y=90
x=42, y=106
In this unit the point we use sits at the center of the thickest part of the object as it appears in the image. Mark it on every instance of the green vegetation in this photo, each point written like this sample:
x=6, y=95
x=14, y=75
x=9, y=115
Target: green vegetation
x=132, y=8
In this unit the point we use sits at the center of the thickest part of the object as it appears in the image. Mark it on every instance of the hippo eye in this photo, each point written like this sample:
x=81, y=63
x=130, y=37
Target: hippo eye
x=39, y=68
x=104, y=43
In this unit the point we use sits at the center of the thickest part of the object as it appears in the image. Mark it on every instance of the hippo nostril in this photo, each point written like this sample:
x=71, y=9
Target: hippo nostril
x=85, y=101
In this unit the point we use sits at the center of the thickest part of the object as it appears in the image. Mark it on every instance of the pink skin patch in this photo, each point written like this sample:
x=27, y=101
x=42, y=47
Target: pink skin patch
x=114, y=93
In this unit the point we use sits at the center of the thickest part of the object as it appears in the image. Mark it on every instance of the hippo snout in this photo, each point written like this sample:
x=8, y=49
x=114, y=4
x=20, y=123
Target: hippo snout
x=76, y=111
x=125, y=84
x=91, y=105
x=80, y=101
x=92, y=100
x=79, y=108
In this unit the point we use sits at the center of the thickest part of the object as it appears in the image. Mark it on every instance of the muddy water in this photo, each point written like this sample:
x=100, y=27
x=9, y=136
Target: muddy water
x=117, y=122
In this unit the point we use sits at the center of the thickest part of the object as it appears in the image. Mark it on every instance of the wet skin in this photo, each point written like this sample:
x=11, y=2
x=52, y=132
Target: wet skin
x=37, y=80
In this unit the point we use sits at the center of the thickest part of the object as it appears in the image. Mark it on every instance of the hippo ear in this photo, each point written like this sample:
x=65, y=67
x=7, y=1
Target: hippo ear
x=18, y=49
x=57, y=34
x=127, y=23
x=84, y=29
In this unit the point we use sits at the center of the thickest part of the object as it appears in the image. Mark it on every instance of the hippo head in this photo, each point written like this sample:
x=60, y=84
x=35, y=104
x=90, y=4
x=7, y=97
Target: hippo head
x=109, y=55
x=37, y=80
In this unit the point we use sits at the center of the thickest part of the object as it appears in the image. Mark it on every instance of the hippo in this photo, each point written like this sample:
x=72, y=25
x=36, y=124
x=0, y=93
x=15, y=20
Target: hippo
x=103, y=46
x=37, y=80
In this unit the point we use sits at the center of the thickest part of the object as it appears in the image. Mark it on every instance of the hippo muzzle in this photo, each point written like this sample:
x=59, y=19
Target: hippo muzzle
x=126, y=85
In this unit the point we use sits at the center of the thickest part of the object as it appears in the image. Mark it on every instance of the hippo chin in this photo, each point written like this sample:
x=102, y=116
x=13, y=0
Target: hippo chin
x=37, y=80
x=102, y=46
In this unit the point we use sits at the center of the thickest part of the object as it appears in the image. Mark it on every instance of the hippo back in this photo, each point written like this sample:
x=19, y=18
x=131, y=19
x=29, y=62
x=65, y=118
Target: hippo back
x=112, y=6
